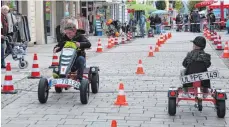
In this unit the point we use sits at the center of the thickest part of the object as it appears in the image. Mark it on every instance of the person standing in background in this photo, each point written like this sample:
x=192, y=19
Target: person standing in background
x=211, y=19
x=197, y=21
x=158, y=24
x=90, y=18
x=142, y=25
x=152, y=23
x=4, y=31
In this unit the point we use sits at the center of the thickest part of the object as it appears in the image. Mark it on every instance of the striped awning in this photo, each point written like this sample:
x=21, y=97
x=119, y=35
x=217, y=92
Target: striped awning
x=205, y=3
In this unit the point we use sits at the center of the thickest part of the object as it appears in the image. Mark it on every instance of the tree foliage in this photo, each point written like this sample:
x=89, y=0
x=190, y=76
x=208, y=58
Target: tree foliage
x=191, y=4
x=178, y=5
x=161, y=5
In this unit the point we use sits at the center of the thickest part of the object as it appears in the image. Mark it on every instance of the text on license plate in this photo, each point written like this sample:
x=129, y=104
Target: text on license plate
x=66, y=82
x=199, y=77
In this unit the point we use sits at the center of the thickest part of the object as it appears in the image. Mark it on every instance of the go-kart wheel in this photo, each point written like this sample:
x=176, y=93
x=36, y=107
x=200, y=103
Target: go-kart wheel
x=172, y=106
x=84, y=91
x=43, y=90
x=95, y=83
x=23, y=64
x=58, y=90
x=221, y=108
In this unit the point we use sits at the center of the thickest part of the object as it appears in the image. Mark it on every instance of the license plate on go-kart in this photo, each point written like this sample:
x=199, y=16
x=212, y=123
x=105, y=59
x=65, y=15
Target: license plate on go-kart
x=199, y=77
x=68, y=82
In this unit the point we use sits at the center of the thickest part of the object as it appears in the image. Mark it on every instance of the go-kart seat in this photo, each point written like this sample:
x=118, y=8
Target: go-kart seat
x=197, y=67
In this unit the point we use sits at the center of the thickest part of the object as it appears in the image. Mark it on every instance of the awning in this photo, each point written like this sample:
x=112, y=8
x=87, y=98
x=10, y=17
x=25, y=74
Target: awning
x=205, y=3
x=217, y=5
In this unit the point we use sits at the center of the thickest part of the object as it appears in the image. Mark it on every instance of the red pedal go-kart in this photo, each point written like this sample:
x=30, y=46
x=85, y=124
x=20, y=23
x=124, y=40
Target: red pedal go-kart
x=218, y=96
x=64, y=78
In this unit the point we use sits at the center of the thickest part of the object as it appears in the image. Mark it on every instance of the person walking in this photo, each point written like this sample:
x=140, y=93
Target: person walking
x=4, y=31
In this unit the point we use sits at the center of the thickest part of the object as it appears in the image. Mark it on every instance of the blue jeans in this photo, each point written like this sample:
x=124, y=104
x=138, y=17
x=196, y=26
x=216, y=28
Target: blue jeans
x=2, y=54
x=158, y=29
x=79, y=65
x=142, y=29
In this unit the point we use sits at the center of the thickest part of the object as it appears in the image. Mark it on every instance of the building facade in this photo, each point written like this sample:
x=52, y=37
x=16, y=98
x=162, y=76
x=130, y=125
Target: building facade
x=44, y=16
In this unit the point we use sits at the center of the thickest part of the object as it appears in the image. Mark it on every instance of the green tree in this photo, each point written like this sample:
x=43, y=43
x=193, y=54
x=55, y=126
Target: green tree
x=178, y=5
x=191, y=4
x=161, y=5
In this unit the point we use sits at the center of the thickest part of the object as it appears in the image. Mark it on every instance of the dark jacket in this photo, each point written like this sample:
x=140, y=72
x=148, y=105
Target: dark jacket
x=157, y=20
x=152, y=20
x=197, y=61
x=84, y=43
x=211, y=18
x=197, y=55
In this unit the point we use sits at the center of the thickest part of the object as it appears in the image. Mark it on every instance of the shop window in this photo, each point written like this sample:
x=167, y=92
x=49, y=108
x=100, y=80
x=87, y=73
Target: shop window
x=83, y=4
x=84, y=12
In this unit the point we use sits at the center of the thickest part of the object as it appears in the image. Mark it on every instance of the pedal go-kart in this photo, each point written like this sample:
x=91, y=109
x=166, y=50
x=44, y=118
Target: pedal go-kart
x=218, y=96
x=63, y=78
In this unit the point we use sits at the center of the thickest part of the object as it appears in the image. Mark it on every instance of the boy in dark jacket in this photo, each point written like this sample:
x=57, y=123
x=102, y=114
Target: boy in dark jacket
x=197, y=61
x=72, y=34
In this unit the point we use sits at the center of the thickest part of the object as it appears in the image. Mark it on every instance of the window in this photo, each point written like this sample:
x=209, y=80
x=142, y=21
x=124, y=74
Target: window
x=83, y=4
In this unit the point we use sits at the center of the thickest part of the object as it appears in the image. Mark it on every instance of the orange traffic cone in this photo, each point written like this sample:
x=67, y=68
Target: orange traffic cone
x=219, y=46
x=219, y=40
x=35, y=68
x=161, y=39
x=112, y=41
x=99, y=48
x=55, y=61
x=123, y=39
x=158, y=43
x=225, y=54
x=205, y=32
x=116, y=41
x=113, y=123
x=170, y=35
x=156, y=48
x=151, y=52
x=140, y=68
x=128, y=36
x=226, y=46
x=131, y=35
x=8, y=87
x=121, y=99
x=212, y=36
x=166, y=37
x=109, y=46
x=215, y=41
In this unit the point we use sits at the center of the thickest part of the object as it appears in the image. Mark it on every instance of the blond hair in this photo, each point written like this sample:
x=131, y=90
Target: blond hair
x=5, y=8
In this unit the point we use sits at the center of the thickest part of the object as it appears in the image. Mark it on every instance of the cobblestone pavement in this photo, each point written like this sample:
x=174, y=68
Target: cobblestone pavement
x=146, y=94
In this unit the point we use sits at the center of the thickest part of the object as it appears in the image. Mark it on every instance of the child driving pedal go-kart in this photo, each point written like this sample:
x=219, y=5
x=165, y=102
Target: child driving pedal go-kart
x=197, y=61
x=74, y=35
